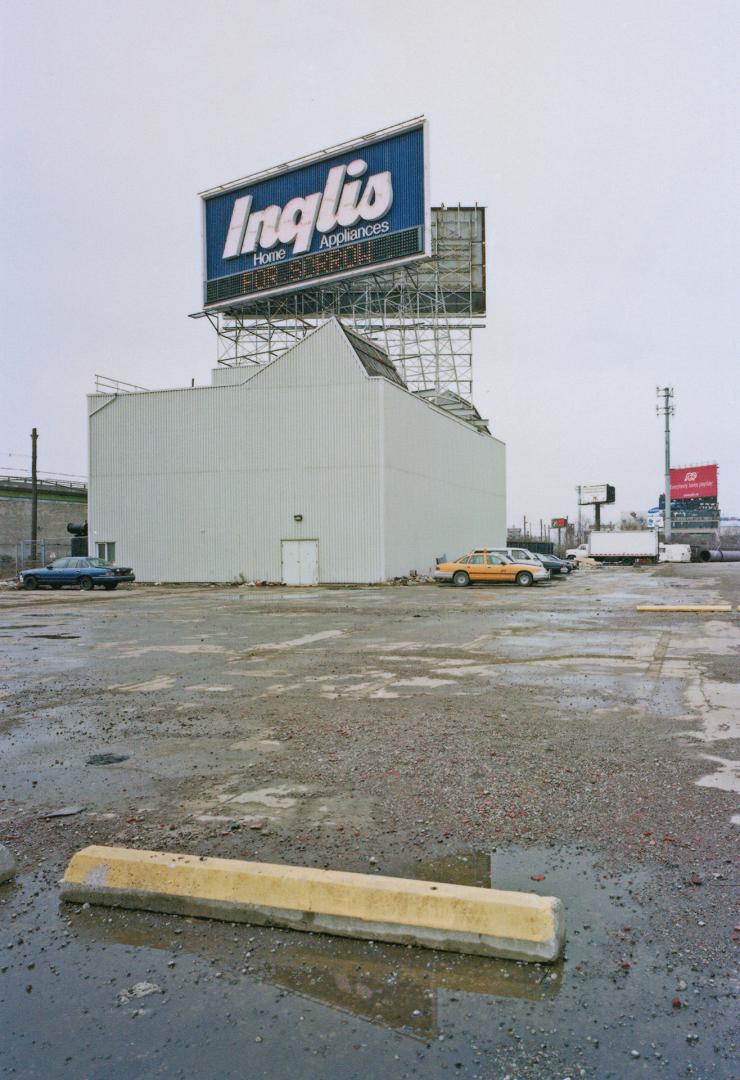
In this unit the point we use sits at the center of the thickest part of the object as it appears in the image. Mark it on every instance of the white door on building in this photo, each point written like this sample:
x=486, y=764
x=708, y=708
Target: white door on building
x=300, y=562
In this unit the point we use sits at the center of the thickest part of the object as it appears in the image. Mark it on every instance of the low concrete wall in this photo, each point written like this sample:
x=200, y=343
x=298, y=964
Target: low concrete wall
x=54, y=511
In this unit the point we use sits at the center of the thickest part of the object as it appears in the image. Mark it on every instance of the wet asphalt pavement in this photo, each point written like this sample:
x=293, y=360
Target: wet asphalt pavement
x=547, y=739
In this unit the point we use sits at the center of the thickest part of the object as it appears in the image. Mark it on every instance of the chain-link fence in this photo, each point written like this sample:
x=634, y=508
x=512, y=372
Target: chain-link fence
x=46, y=552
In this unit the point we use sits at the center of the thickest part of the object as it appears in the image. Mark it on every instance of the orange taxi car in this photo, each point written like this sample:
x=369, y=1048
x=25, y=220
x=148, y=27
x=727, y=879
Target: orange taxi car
x=485, y=565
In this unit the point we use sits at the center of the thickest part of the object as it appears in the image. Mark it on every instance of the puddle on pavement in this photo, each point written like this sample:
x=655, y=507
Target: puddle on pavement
x=324, y=1001
x=393, y=986
x=398, y=987
x=595, y=900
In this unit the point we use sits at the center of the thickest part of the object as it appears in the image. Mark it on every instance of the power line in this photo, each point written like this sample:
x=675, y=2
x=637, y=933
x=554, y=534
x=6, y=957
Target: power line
x=51, y=475
x=71, y=475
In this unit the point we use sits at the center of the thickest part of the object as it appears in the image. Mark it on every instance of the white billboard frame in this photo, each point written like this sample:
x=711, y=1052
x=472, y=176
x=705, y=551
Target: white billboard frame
x=599, y=494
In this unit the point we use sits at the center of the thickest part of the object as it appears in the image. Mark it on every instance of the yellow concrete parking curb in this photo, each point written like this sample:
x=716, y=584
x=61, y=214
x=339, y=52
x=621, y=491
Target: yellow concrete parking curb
x=459, y=918
x=684, y=607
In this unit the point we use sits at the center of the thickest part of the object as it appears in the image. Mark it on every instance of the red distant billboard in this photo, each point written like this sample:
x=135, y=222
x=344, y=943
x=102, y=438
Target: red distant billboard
x=694, y=482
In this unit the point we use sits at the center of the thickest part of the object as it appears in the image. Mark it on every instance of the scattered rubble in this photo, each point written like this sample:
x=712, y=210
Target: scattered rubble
x=139, y=990
x=8, y=865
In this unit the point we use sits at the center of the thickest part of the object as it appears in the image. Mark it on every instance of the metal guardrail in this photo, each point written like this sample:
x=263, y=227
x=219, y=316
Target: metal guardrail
x=104, y=384
x=46, y=482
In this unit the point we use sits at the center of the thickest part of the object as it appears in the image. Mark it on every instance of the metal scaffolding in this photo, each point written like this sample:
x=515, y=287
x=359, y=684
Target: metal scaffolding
x=422, y=314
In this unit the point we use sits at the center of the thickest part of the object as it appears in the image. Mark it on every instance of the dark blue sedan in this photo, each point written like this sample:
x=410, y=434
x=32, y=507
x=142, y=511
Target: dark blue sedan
x=83, y=573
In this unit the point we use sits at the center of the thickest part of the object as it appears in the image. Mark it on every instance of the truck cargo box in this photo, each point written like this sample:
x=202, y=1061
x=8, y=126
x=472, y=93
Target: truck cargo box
x=675, y=553
x=624, y=544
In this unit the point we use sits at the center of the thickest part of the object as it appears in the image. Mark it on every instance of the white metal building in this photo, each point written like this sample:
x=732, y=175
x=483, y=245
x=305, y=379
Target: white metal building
x=318, y=467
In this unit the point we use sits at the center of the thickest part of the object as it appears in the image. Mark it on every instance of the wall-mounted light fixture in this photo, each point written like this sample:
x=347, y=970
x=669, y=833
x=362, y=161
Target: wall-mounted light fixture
x=297, y=517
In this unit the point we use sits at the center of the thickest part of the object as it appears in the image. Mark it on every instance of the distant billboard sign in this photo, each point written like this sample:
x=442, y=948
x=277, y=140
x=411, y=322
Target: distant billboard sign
x=355, y=208
x=696, y=482
x=559, y=523
x=596, y=493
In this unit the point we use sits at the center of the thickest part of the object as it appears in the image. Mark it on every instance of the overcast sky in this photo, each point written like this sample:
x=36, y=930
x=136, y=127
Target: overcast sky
x=601, y=135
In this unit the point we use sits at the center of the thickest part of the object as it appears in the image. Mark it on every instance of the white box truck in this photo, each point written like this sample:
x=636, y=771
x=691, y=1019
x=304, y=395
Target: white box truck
x=620, y=546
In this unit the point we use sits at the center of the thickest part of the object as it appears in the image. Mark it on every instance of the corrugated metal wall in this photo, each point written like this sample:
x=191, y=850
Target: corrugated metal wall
x=445, y=485
x=231, y=376
x=202, y=484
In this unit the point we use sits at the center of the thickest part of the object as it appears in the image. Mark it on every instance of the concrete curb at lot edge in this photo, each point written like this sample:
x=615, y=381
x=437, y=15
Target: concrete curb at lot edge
x=458, y=918
x=684, y=607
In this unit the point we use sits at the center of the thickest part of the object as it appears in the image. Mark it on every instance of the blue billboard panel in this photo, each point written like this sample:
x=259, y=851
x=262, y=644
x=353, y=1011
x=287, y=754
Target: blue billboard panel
x=350, y=210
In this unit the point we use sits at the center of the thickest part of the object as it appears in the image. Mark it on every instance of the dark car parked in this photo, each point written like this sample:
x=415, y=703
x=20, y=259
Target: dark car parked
x=554, y=564
x=84, y=573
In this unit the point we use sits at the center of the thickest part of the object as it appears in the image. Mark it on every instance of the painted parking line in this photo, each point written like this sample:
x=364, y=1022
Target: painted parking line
x=684, y=607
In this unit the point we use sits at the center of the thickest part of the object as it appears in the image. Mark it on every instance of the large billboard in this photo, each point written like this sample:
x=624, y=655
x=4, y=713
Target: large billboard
x=595, y=493
x=694, y=482
x=352, y=209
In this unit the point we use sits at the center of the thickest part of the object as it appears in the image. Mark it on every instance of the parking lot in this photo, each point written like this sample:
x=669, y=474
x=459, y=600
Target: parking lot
x=550, y=739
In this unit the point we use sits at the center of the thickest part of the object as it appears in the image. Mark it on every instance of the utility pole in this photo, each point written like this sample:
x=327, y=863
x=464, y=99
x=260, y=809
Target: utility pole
x=667, y=409
x=34, y=496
